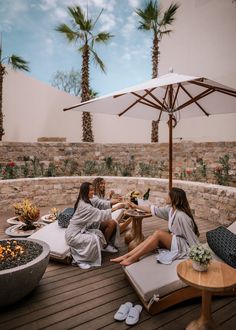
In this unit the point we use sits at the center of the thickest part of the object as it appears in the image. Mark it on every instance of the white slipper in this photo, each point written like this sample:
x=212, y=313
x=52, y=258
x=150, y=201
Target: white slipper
x=123, y=311
x=84, y=265
x=133, y=316
x=110, y=249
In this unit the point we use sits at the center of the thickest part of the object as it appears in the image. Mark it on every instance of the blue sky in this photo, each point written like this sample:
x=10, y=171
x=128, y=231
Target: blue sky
x=28, y=30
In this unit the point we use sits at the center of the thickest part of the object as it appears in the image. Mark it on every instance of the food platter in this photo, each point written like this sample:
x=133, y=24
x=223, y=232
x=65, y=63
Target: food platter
x=136, y=213
x=48, y=218
x=14, y=221
x=16, y=231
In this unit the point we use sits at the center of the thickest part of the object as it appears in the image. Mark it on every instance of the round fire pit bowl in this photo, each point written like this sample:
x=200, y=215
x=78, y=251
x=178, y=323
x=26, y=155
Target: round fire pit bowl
x=16, y=282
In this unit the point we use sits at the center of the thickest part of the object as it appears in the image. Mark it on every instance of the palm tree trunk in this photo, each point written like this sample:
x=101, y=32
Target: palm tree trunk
x=2, y=73
x=86, y=116
x=155, y=59
x=155, y=55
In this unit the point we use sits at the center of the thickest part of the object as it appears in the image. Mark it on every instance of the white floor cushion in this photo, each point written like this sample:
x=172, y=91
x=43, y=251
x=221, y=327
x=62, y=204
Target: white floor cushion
x=54, y=236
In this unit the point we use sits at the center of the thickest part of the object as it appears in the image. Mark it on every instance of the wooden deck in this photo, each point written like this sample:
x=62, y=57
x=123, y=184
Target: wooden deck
x=70, y=298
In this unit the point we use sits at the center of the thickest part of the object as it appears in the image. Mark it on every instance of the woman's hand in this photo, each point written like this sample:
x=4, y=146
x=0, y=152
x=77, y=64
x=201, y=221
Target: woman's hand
x=132, y=205
x=120, y=206
x=145, y=208
x=115, y=200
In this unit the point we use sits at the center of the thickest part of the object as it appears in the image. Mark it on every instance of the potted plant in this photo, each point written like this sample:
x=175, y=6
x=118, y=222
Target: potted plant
x=200, y=256
x=28, y=213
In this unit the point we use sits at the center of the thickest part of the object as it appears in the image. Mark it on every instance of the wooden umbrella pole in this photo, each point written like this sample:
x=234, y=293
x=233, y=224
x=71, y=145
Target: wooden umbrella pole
x=170, y=149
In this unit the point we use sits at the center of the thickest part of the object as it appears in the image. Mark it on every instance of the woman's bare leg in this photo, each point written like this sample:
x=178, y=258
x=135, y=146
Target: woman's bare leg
x=158, y=239
x=137, y=248
x=108, y=227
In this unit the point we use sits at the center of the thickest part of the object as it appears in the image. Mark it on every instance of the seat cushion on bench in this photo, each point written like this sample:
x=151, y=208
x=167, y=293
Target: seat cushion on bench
x=54, y=236
x=152, y=278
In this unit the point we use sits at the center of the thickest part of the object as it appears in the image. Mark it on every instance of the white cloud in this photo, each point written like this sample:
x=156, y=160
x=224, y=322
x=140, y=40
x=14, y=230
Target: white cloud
x=107, y=21
x=60, y=14
x=130, y=26
x=134, y=3
x=48, y=4
x=132, y=52
x=106, y=4
x=11, y=13
x=48, y=46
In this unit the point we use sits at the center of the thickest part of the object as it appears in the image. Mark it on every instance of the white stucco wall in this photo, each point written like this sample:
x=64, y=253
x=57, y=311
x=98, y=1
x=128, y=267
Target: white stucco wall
x=203, y=44
x=33, y=109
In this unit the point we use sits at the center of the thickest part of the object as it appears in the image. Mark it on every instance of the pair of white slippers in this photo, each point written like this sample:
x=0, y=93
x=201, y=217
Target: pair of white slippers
x=129, y=313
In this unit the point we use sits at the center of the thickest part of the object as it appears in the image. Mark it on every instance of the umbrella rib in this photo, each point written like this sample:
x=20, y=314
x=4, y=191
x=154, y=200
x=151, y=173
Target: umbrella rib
x=152, y=104
x=133, y=104
x=176, y=94
x=156, y=99
x=196, y=98
x=187, y=92
x=217, y=88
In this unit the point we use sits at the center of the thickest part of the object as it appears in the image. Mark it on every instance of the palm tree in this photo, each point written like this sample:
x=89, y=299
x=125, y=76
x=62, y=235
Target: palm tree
x=152, y=19
x=81, y=32
x=16, y=63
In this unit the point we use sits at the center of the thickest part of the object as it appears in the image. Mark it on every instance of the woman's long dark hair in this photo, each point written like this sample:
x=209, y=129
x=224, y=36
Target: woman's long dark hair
x=83, y=194
x=179, y=201
x=96, y=185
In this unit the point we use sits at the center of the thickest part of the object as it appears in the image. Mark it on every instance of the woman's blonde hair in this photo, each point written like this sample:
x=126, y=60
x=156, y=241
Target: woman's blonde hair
x=96, y=186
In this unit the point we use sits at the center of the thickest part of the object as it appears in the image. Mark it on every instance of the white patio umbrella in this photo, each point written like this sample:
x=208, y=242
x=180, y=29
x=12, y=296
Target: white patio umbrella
x=169, y=97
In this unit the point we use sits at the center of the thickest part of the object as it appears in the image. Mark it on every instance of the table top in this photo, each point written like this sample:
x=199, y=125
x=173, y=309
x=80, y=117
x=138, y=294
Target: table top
x=137, y=213
x=219, y=276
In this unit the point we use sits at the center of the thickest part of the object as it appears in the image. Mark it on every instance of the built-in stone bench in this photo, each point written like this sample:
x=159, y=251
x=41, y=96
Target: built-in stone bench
x=211, y=202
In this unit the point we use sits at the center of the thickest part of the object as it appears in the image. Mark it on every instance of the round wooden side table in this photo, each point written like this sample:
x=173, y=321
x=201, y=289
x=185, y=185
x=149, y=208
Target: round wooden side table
x=135, y=236
x=218, y=278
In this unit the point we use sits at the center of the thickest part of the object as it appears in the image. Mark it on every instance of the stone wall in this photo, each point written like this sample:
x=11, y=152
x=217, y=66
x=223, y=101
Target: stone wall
x=210, y=202
x=186, y=155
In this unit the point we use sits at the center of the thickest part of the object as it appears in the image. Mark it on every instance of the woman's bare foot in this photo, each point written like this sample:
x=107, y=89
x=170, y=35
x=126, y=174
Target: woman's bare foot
x=119, y=259
x=128, y=261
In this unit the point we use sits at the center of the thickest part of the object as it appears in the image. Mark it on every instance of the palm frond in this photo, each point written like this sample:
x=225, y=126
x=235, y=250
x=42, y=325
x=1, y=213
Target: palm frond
x=149, y=15
x=79, y=19
x=18, y=62
x=169, y=15
x=77, y=14
x=103, y=37
x=68, y=32
x=97, y=18
x=98, y=61
x=164, y=32
x=144, y=26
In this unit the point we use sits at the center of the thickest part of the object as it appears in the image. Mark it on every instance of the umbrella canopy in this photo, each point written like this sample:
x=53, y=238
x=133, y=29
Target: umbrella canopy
x=169, y=97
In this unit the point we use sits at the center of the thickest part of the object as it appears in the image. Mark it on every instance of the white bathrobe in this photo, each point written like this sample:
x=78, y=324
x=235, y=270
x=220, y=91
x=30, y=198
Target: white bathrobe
x=182, y=228
x=104, y=204
x=83, y=234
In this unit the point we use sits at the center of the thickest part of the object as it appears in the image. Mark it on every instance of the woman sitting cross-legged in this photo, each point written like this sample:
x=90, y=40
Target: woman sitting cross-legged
x=183, y=231
x=102, y=202
x=90, y=230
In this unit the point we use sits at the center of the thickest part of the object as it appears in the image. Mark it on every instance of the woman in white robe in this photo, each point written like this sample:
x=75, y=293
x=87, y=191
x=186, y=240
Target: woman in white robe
x=83, y=234
x=183, y=231
x=102, y=202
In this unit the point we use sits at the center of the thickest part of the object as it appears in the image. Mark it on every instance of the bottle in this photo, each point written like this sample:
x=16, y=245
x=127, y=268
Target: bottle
x=146, y=195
